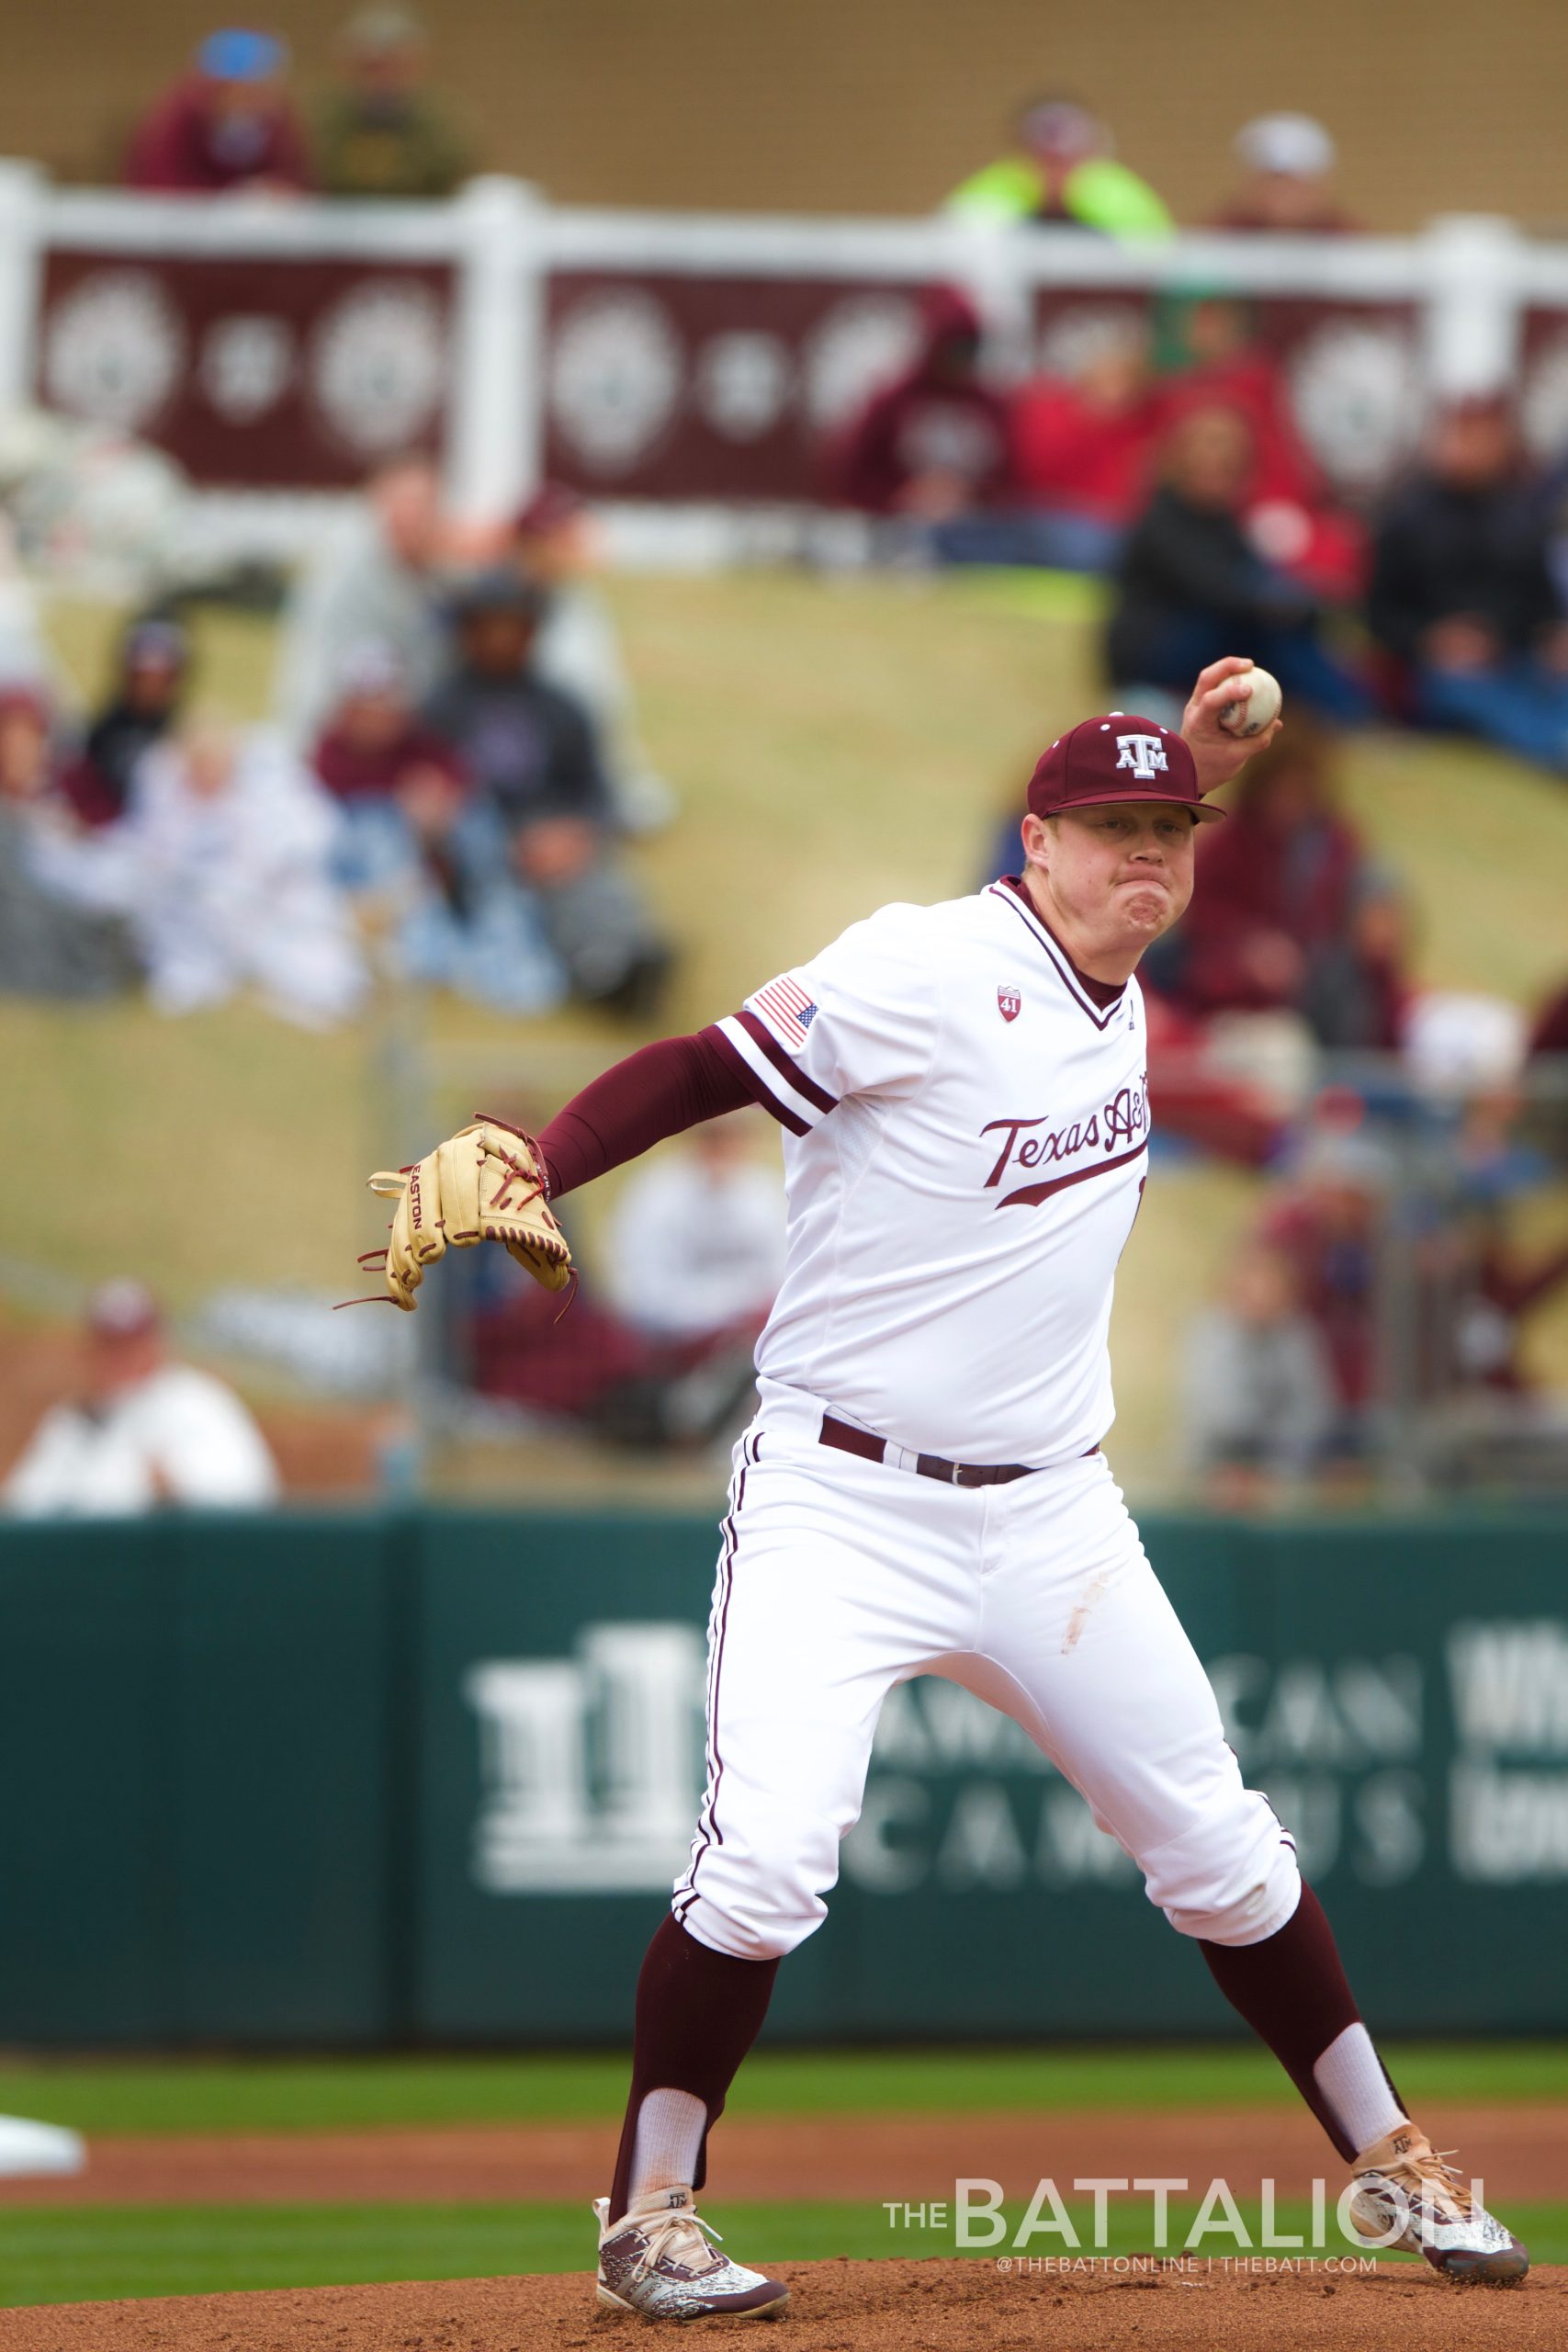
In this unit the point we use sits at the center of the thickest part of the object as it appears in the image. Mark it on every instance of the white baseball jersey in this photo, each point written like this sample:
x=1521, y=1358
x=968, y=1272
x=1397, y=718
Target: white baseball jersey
x=966, y=1131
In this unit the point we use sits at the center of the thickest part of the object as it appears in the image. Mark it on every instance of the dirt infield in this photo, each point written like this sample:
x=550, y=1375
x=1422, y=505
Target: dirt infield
x=1521, y=2154
x=853, y=2307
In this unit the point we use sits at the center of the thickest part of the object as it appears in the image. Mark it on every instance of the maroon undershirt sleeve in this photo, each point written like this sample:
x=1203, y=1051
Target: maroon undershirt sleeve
x=659, y=1091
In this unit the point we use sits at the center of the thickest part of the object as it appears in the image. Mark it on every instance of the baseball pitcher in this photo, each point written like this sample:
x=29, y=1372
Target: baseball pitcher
x=964, y=1094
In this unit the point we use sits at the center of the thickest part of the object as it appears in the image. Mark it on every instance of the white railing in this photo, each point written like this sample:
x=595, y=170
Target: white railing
x=282, y=347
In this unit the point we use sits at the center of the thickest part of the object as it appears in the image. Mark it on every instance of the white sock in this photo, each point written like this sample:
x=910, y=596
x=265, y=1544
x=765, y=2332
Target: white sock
x=670, y=2127
x=1354, y=2085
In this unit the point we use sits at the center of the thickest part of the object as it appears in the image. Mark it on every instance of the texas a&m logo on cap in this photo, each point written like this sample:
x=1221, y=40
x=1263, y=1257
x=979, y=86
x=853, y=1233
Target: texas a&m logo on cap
x=1120, y=759
x=1145, y=754
x=1009, y=1004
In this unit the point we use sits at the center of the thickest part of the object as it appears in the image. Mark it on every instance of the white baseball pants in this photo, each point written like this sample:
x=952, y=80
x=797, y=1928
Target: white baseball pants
x=838, y=1578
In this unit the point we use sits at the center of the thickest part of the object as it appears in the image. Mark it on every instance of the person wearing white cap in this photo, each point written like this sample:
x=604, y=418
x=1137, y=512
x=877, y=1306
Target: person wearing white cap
x=141, y=1433
x=1287, y=161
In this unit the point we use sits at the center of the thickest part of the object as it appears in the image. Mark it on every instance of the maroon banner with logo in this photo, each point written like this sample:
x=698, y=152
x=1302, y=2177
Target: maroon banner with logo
x=680, y=387
x=252, y=374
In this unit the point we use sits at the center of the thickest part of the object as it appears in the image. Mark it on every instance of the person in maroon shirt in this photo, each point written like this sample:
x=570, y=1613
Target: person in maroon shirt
x=936, y=442
x=401, y=788
x=1549, y=1034
x=374, y=745
x=1327, y=1223
x=225, y=126
x=1293, y=914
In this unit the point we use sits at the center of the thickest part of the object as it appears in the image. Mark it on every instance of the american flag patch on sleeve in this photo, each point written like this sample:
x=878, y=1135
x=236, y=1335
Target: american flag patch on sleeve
x=785, y=1005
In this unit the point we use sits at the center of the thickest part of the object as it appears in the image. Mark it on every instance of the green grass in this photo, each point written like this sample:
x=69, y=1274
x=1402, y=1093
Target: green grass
x=151, y=2095
x=92, y=2253
x=835, y=743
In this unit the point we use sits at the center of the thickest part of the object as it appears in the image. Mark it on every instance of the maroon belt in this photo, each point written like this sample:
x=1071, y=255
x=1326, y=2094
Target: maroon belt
x=848, y=1440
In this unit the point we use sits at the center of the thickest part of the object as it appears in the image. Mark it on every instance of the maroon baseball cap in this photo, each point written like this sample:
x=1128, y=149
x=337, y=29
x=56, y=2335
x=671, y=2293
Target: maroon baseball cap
x=1120, y=757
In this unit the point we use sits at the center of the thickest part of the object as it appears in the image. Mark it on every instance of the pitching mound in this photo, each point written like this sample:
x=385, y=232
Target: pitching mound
x=853, y=2307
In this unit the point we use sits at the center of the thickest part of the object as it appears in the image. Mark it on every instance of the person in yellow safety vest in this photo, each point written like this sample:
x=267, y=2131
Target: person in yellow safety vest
x=1062, y=170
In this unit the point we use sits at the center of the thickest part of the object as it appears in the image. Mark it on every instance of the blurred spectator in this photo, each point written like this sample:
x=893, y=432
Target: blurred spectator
x=1463, y=595
x=1549, y=1032
x=374, y=745
x=1062, y=172
x=376, y=582
x=694, y=1252
x=1084, y=449
x=1290, y=912
x=531, y=752
x=425, y=861
x=1191, y=587
x=1463, y=1044
x=49, y=947
x=1327, y=1223
x=933, y=445
x=222, y=866
x=379, y=133
x=1287, y=186
x=25, y=658
x=1215, y=352
x=142, y=1432
x=1492, y=1288
x=1258, y=1387
x=694, y=1248
x=225, y=126
x=556, y=542
x=145, y=703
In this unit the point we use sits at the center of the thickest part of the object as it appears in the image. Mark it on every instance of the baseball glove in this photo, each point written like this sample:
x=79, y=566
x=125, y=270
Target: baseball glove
x=487, y=1183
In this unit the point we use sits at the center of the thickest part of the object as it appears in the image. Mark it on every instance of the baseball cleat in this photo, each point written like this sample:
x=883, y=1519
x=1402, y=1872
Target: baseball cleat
x=1402, y=2178
x=657, y=2261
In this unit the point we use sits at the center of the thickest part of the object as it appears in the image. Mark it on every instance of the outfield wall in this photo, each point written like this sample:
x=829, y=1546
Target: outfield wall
x=427, y=1775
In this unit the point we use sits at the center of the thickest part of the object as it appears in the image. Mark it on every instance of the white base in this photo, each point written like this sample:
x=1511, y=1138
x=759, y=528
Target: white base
x=27, y=2147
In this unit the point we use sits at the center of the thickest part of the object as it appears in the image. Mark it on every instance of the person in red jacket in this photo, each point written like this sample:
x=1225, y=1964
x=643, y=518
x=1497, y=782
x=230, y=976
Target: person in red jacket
x=1083, y=448
x=226, y=127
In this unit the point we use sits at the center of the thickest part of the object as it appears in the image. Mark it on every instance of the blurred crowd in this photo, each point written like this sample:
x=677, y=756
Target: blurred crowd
x=235, y=119
x=1062, y=168
x=1377, y=1307
x=233, y=122
x=449, y=785
x=443, y=796
x=1168, y=458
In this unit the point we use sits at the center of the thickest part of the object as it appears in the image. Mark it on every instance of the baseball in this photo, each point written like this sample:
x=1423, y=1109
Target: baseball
x=1257, y=707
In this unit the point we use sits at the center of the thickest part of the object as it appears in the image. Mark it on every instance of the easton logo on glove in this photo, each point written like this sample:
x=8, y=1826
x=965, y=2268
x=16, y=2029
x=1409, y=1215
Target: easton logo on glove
x=486, y=1183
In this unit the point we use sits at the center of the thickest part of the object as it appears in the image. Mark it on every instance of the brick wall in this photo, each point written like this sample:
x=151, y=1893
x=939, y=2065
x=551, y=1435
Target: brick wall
x=879, y=106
